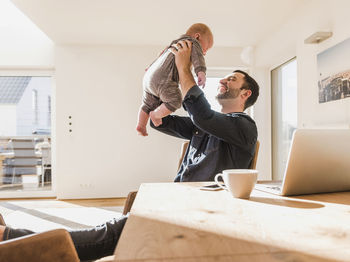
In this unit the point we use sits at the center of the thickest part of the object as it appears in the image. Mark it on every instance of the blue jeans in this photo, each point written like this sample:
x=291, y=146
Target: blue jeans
x=90, y=244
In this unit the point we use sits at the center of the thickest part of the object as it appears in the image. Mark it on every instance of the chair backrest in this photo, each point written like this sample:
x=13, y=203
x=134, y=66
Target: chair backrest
x=129, y=201
x=24, y=158
x=46, y=155
x=54, y=246
x=22, y=148
x=182, y=153
x=255, y=158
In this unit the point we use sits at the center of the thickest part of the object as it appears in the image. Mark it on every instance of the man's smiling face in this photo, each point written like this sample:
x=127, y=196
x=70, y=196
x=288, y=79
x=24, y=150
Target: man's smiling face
x=230, y=86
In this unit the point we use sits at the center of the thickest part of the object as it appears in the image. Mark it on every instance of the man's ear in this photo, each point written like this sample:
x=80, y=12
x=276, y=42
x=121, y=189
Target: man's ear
x=247, y=93
x=197, y=36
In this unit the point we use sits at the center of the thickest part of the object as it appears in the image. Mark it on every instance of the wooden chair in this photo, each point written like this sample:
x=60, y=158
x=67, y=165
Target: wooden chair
x=255, y=158
x=54, y=246
x=23, y=163
x=129, y=201
x=183, y=152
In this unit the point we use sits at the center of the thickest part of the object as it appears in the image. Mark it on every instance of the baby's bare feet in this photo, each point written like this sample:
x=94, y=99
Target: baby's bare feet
x=141, y=130
x=156, y=121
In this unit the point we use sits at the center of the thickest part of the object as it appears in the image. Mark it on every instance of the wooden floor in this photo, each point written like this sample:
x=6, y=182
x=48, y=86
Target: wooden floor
x=101, y=202
x=98, y=202
x=21, y=187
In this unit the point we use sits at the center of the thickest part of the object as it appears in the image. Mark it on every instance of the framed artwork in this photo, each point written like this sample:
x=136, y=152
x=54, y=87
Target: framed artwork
x=333, y=67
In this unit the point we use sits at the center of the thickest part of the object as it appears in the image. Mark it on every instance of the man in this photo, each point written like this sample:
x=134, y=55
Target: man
x=218, y=141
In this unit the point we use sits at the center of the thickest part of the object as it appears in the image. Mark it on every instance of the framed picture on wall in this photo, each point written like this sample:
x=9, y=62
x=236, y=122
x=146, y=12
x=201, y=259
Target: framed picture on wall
x=333, y=67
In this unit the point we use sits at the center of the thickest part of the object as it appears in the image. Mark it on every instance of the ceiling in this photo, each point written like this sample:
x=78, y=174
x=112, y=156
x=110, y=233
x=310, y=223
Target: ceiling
x=234, y=23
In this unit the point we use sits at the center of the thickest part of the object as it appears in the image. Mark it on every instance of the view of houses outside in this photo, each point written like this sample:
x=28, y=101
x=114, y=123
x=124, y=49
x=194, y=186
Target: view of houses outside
x=25, y=105
x=25, y=133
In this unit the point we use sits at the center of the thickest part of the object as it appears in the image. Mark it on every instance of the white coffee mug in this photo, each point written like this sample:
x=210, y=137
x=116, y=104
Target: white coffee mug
x=239, y=182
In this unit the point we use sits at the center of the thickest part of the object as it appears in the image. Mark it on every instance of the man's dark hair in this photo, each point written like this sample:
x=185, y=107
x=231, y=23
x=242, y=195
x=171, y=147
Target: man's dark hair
x=249, y=84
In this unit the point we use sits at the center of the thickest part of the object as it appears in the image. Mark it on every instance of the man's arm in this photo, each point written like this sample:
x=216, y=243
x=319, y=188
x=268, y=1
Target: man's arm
x=178, y=126
x=235, y=130
x=182, y=52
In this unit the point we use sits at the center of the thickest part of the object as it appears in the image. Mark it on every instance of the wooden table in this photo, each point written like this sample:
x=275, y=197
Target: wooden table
x=178, y=222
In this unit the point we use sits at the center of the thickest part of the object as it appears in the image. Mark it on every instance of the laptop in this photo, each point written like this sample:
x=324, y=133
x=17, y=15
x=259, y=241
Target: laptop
x=318, y=162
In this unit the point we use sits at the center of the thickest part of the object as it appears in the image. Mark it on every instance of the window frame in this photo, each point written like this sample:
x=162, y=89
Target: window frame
x=36, y=72
x=275, y=161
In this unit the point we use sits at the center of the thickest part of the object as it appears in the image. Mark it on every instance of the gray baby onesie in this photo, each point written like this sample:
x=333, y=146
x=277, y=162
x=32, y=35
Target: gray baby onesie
x=161, y=81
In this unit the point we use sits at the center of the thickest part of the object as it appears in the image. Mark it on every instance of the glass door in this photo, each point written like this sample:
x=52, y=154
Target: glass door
x=284, y=114
x=25, y=135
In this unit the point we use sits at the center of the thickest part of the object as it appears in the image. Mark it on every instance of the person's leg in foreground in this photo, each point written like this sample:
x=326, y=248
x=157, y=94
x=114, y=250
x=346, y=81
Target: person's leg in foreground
x=90, y=244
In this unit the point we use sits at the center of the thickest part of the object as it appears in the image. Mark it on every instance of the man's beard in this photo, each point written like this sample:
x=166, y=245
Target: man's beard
x=229, y=94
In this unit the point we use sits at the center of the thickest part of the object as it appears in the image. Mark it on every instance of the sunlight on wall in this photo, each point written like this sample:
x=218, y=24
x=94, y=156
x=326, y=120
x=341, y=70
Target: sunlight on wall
x=14, y=24
x=21, y=41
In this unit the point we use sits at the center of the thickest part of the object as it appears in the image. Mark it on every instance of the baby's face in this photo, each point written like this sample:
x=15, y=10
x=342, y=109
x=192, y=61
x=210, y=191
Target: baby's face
x=206, y=43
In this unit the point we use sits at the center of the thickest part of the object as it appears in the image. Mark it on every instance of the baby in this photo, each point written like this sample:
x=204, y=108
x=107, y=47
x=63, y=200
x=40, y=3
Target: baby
x=161, y=93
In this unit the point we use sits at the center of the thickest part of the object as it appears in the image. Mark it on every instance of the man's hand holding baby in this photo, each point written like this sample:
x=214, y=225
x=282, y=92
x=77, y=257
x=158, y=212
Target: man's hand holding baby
x=201, y=78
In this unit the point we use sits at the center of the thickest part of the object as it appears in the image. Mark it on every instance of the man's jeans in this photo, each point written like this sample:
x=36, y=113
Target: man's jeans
x=90, y=244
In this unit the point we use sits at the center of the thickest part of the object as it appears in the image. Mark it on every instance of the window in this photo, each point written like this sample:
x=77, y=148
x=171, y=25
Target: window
x=25, y=135
x=284, y=114
x=210, y=91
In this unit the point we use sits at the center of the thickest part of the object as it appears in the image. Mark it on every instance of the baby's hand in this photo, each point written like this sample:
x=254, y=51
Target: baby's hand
x=201, y=78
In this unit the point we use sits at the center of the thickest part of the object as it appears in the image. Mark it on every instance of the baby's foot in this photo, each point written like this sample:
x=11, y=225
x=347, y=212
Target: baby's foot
x=156, y=121
x=141, y=130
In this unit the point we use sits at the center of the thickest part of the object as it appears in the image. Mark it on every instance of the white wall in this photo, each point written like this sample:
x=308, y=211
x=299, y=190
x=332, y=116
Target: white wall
x=288, y=42
x=100, y=88
x=22, y=44
x=224, y=57
x=262, y=116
